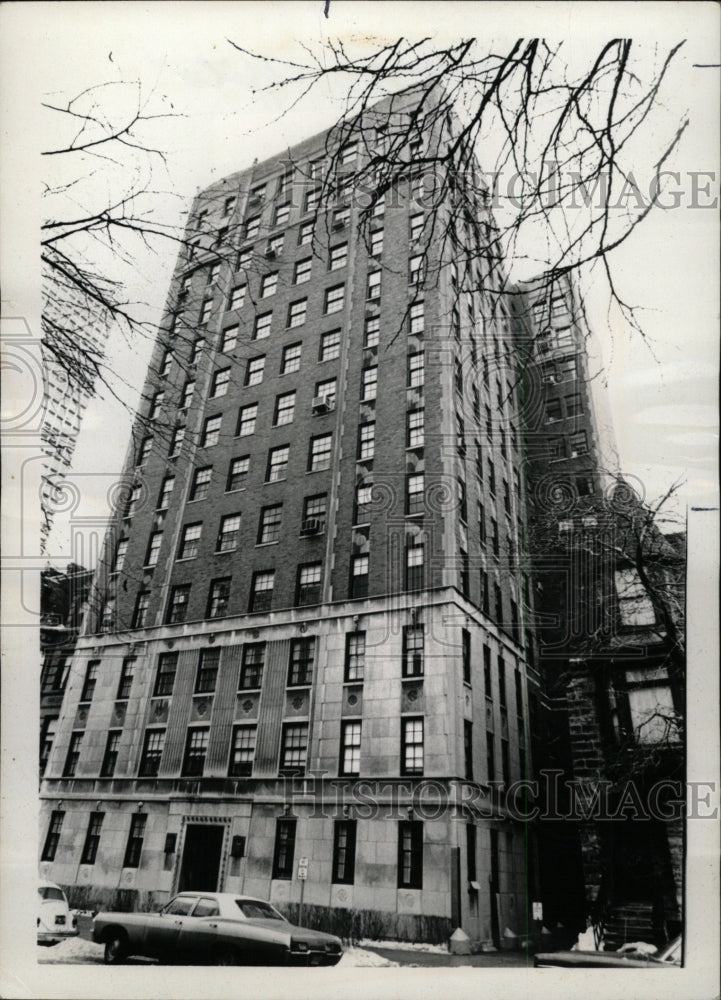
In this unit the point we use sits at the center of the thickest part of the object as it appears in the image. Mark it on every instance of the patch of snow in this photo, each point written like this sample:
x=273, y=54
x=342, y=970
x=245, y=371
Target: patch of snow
x=359, y=957
x=75, y=950
x=437, y=949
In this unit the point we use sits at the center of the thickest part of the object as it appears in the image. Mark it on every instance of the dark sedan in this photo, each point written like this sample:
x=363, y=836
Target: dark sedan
x=219, y=928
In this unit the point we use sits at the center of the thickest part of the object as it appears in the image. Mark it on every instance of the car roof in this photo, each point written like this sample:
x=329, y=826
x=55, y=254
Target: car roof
x=232, y=896
x=43, y=884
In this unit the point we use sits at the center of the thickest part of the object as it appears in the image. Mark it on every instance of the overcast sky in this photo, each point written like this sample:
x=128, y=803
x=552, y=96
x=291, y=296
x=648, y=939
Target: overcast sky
x=663, y=404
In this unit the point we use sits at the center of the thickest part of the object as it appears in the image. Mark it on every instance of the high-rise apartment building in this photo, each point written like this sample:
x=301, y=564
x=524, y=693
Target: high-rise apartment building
x=310, y=642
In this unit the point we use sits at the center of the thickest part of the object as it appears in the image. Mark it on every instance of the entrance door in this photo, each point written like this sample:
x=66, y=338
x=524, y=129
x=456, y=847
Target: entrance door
x=201, y=858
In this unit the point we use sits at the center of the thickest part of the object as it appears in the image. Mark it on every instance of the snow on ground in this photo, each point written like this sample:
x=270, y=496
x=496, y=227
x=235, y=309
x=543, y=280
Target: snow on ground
x=437, y=949
x=361, y=958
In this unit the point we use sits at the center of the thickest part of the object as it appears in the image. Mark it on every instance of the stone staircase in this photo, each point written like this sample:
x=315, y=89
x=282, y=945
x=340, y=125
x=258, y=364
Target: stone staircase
x=629, y=922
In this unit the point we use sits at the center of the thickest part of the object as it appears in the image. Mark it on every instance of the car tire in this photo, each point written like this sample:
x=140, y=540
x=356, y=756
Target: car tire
x=116, y=948
x=226, y=956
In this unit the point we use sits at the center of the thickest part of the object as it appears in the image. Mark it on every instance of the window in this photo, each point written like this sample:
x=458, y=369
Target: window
x=415, y=429
x=196, y=747
x=359, y=576
x=329, y=345
x=376, y=246
x=363, y=504
x=261, y=593
x=369, y=383
x=201, y=483
x=152, y=752
x=207, y=676
x=277, y=466
x=338, y=257
x=242, y=751
x=282, y=214
x=205, y=311
x=461, y=500
x=142, y=603
x=417, y=317
x=230, y=339
x=229, y=533
x=251, y=673
x=466, y=655
x=52, y=838
x=211, y=430
x=297, y=312
x=291, y=359
x=414, y=566
x=190, y=541
x=416, y=225
x=499, y=603
x=91, y=679
x=269, y=525
x=151, y=556
x=237, y=471
x=355, y=656
x=471, y=867
x=553, y=410
x=294, y=748
x=187, y=397
x=574, y=405
x=415, y=370
x=312, y=199
x=372, y=331
x=110, y=757
x=350, y=749
x=221, y=379
x=237, y=298
x=344, y=841
x=300, y=667
x=320, y=452
x=228, y=206
x=71, y=761
x=415, y=495
x=379, y=207
x=579, y=444
x=341, y=217
x=261, y=328
x=196, y=350
x=305, y=234
x=373, y=291
x=284, y=848
x=366, y=440
x=127, y=672
x=334, y=299
x=145, y=449
x=410, y=855
x=415, y=268
x=326, y=390
x=135, y=840
x=164, y=498
x=302, y=270
x=314, y=509
x=47, y=739
x=166, y=362
x=218, y=597
x=468, y=749
x=412, y=746
x=92, y=839
x=165, y=678
x=176, y=442
x=308, y=587
x=107, y=623
x=284, y=409
x=247, y=417
x=634, y=604
x=413, y=655
x=156, y=405
x=178, y=605
x=268, y=285
x=252, y=227
x=245, y=258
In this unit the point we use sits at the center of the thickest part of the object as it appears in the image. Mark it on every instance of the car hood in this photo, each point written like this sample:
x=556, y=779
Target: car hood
x=599, y=959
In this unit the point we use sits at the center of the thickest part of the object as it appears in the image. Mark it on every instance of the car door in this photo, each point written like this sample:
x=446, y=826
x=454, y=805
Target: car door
x=199, y=933
x=163, y=932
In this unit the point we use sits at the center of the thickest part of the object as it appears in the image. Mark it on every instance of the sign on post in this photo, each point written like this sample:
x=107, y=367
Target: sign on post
x=538, y=911
x=303, y=868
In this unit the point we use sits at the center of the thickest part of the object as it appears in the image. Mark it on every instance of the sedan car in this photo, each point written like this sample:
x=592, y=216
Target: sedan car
x=55, y=921
x=221, y=928
x=668, y=957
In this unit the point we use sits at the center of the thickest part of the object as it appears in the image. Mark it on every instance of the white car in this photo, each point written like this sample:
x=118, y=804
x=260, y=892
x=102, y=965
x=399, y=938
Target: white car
x=55, y=921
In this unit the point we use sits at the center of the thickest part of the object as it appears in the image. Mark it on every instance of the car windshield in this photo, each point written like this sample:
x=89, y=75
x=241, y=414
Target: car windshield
x=50, y=892
x=256, y=910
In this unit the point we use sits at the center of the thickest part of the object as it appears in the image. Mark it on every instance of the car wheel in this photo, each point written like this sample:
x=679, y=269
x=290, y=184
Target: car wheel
x=115, y=948
x=226, y=957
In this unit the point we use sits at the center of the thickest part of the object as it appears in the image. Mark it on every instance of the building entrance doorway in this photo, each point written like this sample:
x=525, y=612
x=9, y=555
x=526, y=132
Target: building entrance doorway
x=201, y=858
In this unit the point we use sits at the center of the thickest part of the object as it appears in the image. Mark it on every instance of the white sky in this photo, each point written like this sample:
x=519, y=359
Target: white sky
x=664, y=410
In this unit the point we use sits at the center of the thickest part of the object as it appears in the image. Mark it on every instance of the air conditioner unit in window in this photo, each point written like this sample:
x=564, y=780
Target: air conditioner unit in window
x=311, y=526
x=270, y=253
x=322, y=404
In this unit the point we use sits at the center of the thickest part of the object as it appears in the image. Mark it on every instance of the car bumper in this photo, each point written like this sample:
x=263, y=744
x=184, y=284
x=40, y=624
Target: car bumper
x=54, y=937
x=314, y=958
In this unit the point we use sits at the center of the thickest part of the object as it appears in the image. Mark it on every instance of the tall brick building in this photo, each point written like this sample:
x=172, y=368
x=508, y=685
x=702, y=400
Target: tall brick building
x=310, y=642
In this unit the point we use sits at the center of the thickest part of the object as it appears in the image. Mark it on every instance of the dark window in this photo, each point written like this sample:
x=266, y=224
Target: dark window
x=91, y=679
x=499, y=604
x=471, y=852
x=412, y=746
x=92, y=839
x=284, y=848
x=207, y=675
x=355, y=655
x=190, y=541
x=277, y=467
x=415, y=495
x=314, y=510
x=242, y=751
x=211, y=431
x=344, y=841
x=110, y=758
x=47, y=738
x=505, y=762
x=320, y=451
x=135, y=840
x=261, y=593
x=52, y=838
x=414, y=567
x=71, y=761
x=165, y=678
x=359, y=576
x=196, y=747
x=294, y=748
x=237, y=472
x=502, y=681
x=270, y=523
x=228, y=533
x=218, y=598
x=251, y=674
x=201, y=483
x=300, y=667
x=490, y=756
x=178, y=605
x=308, y=589
x=152, y=752
x=412, y=651
x=468, y=748
x=487, y=680
x=350, y=748
x=410, y=855
x=466, y=644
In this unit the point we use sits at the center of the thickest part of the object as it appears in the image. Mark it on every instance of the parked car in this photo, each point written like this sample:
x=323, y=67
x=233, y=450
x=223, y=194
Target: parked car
x=55, y=921
x=221, y=928
x=668, y=957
